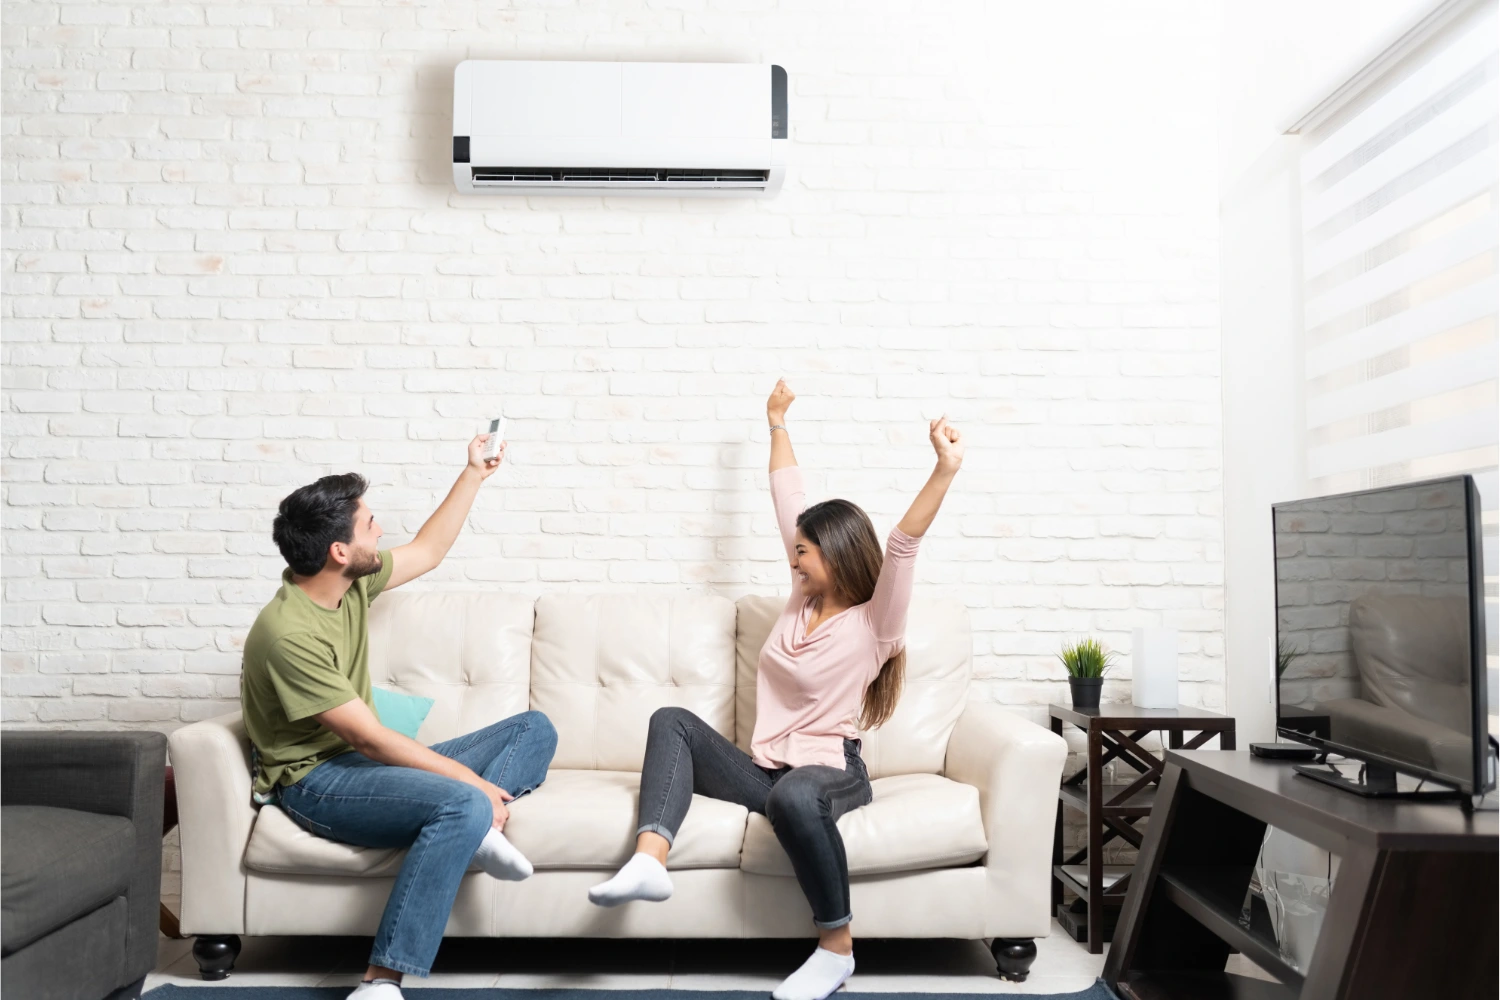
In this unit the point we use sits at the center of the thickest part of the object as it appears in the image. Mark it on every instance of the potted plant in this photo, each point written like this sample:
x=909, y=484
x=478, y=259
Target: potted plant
x=1086, y=660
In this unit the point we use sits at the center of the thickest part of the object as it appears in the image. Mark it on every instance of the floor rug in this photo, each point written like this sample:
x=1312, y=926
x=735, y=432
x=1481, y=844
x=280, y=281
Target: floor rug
x=1096, y=992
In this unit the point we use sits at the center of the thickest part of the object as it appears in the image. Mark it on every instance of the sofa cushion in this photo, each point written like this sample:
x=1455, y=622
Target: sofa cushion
x=469, y=652
x=588, y=819
x=279, y=846
x=939, y=652
x=576, y=819
x=85, y=957
x=916, y=821
x=602, y=663
x=55, y=866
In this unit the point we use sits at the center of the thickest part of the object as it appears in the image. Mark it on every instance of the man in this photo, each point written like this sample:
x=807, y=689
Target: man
x=321, y=751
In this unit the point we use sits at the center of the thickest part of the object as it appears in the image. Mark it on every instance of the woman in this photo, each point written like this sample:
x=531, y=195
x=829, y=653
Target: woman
x=832, y=666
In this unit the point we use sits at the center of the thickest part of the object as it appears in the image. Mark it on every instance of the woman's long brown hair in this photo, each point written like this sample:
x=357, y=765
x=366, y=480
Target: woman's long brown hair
x=846, y=538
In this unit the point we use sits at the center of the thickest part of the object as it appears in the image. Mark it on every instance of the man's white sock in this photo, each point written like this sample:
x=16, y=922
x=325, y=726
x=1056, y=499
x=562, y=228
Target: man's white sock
x=643, y=877
x=819, y=976
x=500, y=859
x=377, y=989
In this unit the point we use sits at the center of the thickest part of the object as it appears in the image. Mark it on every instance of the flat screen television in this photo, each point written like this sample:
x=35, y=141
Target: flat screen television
x=1380, y=635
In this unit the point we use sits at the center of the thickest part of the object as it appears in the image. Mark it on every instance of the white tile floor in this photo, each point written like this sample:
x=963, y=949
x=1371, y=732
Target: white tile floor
x=1062, y=965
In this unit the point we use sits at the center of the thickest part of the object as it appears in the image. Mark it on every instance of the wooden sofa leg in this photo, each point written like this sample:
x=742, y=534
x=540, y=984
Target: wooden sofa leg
x=1013, y=957
x=215, y=954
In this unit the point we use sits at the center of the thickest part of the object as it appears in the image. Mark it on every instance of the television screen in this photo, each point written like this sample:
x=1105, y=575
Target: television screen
x=1379, y=627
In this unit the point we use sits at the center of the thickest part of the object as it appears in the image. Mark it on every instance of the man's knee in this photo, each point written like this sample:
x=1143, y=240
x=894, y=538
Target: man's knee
x=469, y=809
x=540, y=727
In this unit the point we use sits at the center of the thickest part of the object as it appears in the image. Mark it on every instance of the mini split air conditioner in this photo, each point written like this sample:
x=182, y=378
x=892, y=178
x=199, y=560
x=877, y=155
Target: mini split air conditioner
x=619, y=128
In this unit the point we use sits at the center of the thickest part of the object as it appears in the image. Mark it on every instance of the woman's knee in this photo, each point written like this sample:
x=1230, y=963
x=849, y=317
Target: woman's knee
x=670, y=717
x=795, y=802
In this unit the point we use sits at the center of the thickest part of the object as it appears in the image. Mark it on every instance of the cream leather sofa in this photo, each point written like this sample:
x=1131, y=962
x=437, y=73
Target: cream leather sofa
x=957, y=842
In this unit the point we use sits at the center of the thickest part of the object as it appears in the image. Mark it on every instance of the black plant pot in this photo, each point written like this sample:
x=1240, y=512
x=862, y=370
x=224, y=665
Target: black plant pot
x=1085, y=691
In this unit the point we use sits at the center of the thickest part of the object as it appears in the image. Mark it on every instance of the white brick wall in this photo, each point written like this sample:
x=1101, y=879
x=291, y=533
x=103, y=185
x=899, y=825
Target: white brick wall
x=234, y=261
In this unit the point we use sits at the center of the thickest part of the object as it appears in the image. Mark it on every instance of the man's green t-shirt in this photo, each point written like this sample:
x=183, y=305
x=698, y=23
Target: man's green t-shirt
x=302, y=659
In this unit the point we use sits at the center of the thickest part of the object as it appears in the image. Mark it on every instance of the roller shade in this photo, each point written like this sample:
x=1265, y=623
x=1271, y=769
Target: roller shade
x=1399, y=222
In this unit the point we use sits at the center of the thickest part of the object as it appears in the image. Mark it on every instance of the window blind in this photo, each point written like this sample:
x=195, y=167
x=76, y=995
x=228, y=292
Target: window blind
x=1400, y=279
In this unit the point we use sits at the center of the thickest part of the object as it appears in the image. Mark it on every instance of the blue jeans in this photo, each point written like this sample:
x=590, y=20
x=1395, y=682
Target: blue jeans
x=354, y=799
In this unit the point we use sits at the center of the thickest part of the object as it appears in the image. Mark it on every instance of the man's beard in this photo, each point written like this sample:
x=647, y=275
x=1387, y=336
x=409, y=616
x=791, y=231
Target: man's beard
x=355, y=570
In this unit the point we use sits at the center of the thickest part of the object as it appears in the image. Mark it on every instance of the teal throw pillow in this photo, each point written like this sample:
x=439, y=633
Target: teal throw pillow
x=402, y=712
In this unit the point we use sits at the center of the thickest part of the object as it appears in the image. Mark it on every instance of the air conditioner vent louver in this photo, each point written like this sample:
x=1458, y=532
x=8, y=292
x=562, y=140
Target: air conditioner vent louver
x=617, y=176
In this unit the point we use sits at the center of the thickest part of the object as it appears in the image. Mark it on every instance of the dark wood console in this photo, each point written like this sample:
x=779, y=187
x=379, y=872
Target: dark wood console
x=1413, y=911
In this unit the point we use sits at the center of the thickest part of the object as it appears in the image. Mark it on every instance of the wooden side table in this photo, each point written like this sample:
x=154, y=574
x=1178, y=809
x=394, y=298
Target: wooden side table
x=1111, y=811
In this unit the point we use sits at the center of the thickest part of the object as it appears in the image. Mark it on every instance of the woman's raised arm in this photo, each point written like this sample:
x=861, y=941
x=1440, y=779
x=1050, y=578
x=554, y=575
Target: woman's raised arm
x=788, y=495
x=949, y=445
x=887, y=608
x=781, y=441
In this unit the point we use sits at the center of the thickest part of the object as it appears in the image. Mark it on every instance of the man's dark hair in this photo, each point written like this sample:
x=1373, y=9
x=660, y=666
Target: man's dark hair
x=313, y=517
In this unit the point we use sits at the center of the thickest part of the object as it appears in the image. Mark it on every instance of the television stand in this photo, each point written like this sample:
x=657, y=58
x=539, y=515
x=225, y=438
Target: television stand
x=1376, y=781
x=1411, y=913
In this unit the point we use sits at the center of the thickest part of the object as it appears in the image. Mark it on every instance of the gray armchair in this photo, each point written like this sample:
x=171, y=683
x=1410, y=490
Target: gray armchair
x=80, y=863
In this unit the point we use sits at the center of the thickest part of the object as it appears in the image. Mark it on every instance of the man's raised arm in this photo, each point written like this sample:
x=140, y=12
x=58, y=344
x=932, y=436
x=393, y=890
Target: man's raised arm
x=437, y=535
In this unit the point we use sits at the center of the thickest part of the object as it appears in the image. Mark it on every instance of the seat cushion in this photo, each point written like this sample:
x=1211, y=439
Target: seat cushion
x=587, y=819
x=55, y=866
x=916, y=821
x=282, y=847
x=577, y=819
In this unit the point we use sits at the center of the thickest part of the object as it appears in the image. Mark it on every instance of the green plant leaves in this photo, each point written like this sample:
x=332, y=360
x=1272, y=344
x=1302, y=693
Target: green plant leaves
x=1086, y=658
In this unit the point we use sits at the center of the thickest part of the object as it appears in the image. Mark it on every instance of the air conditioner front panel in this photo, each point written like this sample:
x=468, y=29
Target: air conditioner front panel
x=695, y=101
x=570, y=117
x=602, y=151
x=542, y=99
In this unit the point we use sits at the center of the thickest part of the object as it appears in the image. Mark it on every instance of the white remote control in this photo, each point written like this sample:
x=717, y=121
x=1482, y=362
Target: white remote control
x=497, y=434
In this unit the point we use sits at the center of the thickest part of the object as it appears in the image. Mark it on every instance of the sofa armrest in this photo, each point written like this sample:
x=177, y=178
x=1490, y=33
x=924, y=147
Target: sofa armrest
x=116, y=774
x=1017, y=767
x=211, y=764
x=113, y=773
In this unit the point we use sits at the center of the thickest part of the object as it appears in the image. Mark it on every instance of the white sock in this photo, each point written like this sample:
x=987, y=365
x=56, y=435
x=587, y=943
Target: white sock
x=643, y=877
x=500, y=859
x=378, y=989
x=819, y=976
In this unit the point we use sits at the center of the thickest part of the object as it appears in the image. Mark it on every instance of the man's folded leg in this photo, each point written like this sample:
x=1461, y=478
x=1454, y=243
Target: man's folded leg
x=512, y=754
x=442, y=822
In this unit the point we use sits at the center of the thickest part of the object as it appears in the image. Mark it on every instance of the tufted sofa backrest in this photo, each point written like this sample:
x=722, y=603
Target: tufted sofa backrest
x=599, y=664
x=469, y=652
x=602, y=663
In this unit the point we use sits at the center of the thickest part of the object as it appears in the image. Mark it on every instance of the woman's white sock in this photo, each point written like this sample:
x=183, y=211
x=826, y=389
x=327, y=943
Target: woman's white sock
x=823, y=972
x=643, y=877
x=500, y=859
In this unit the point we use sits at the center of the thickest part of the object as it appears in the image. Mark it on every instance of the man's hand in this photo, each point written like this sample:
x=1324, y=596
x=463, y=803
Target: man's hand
x=498, y=797
x=476, y=457
x=781, y=399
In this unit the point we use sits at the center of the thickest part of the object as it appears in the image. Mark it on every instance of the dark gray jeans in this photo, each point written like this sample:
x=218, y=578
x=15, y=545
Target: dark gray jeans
x=684, y=755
